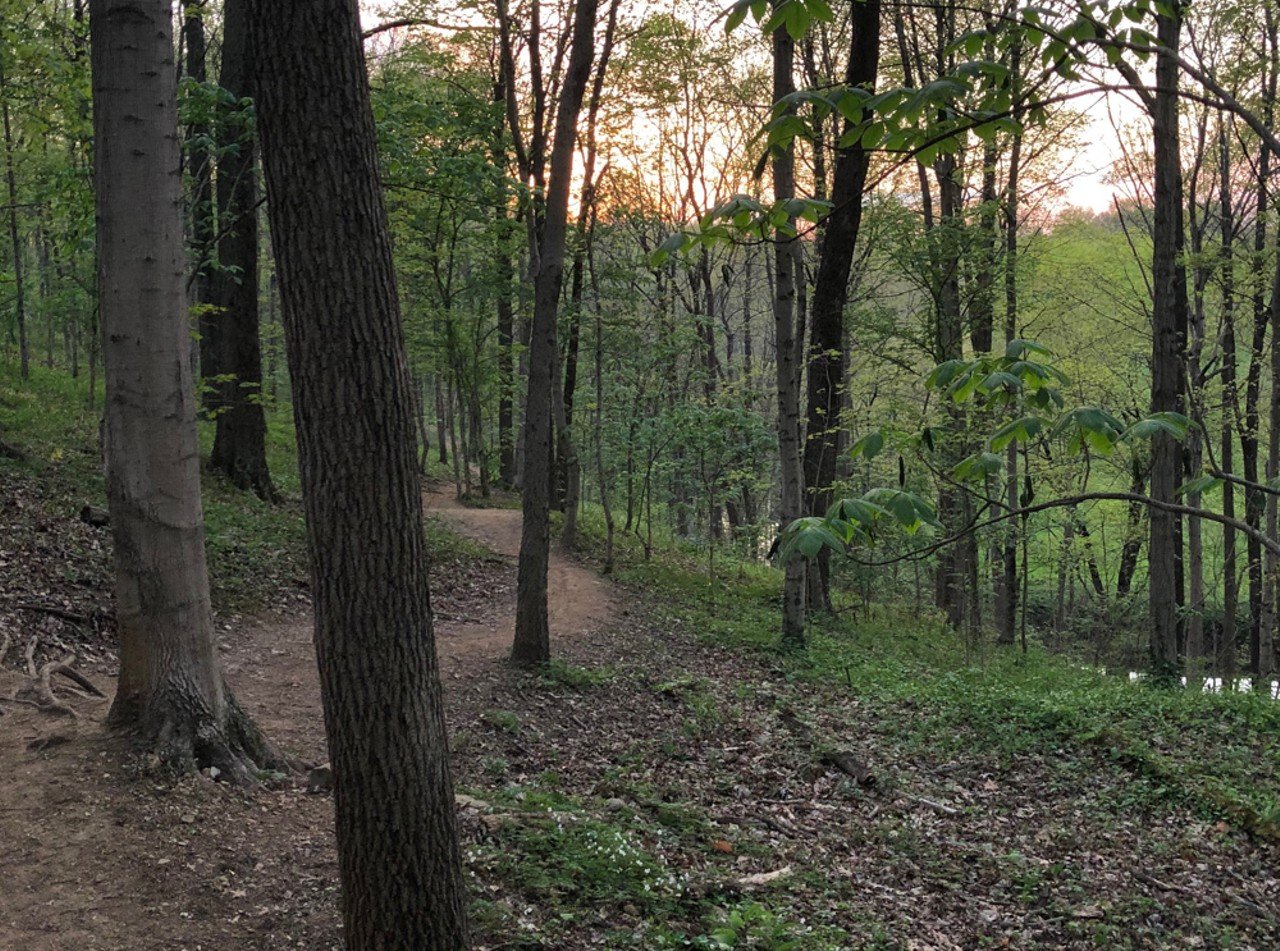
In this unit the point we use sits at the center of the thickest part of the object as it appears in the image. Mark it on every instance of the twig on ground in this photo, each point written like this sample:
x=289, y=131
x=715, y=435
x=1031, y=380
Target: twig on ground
x=54, y=610
x=937, y=806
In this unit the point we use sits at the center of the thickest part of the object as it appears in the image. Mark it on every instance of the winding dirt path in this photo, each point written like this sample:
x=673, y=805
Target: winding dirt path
x=578, y=600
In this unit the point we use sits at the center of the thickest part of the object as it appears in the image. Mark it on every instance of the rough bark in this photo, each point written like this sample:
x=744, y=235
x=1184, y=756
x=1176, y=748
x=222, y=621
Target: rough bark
x=791, y=490
x=396, y=832
x=1169, y=311
x=532, y=645
x=170, y=692
x=11, y=183
x=828, y=360
x=240, y=437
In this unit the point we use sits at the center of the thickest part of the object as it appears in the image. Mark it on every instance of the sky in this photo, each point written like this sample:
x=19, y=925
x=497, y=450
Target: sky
x=1087, y=170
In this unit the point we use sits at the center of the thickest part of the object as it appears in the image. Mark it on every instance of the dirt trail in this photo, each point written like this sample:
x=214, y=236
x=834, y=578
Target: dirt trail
x=578, y=600
x=97, y=858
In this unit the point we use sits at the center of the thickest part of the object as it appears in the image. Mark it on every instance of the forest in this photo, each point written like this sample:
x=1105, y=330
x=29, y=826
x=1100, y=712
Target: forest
x=762, y=474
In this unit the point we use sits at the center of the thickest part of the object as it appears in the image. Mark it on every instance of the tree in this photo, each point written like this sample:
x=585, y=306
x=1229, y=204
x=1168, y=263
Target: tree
x=827, y=358
x=15, y=240
x=171, y=694
x=532, y=638
x=1169, y=329
x=396, y=831
x=239, y=442
x=787, y=274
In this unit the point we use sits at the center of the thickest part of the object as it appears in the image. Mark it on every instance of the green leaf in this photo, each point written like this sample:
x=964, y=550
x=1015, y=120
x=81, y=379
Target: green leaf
x=1201, y=485
x=869, y=446
x=944, y=373
x=1024, y=430
x=978, y=466
x=1172, y=424
x=1019, y=349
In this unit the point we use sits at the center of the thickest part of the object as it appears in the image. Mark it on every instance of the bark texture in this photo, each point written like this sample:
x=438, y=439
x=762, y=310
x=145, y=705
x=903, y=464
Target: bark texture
x=1169, y=317
x=532, y=644
x=785, y=314
x=171, y=692
x=396, y=831
x=827, y=358
x=239, y=443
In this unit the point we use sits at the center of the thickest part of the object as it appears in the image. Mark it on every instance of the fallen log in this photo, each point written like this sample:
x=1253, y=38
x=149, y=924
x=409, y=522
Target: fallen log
x=842, y=760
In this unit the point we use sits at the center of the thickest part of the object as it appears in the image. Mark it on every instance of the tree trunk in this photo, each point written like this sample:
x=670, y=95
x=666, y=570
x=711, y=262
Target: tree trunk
x=20, y=306
x=240, y=438
x=506, y=383
x=1169, y=317
x=1226, y=651
x=441, y=441
x=396, y=832
x=791, y=502
x=170, y=693
x=827, y=358
x=1007, y=600
x=532, y=644
x=203, y=218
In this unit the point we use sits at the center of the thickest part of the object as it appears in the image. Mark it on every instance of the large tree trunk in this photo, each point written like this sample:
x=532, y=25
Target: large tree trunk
x=240, y=439
x=791, y=490
x=532, y=644
x=397, y=838
x=827, y=357
x=1169, y=333
x=170, y=692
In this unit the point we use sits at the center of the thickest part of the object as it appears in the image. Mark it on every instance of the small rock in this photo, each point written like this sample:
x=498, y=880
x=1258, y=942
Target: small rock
x=320, y=779
x=615, y=804
x=95, y=517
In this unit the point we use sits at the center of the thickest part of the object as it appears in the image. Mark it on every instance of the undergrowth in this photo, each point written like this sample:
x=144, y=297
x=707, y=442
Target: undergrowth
x=1218, y=754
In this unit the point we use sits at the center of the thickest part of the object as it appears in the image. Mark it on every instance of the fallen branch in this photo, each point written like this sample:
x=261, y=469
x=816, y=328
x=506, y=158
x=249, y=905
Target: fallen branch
x=55, y=611
x=844, y=761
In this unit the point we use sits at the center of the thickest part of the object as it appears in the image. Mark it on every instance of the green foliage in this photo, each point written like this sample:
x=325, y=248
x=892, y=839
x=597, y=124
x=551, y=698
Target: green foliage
x=561, y=673
x=256, y=550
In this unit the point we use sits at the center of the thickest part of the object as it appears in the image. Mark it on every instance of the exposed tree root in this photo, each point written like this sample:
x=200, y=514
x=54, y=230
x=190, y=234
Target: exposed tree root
x=185, y=736
x=39, y=693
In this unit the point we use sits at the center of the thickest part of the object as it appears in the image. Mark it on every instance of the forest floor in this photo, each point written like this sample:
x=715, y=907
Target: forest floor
x=668, y=782
x=647, y=791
